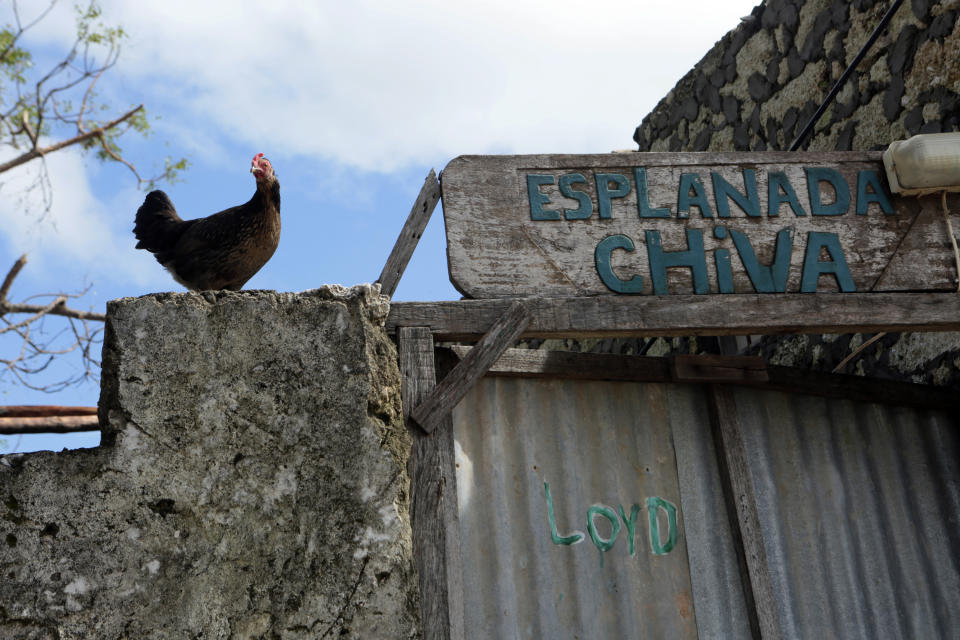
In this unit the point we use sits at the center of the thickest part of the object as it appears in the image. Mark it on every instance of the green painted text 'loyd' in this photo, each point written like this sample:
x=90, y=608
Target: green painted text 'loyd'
x=660, y=544
x=691, y=194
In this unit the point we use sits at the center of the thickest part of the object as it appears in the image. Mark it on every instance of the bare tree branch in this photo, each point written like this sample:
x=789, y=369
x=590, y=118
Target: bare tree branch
x=34, y=357
x=44, y=110
x=99, y=132
x=11, y=275
x=57, y=307
x=21, y=28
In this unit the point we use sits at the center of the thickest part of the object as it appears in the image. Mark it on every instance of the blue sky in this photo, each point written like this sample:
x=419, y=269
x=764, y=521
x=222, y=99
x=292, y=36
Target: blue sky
x=353, y=103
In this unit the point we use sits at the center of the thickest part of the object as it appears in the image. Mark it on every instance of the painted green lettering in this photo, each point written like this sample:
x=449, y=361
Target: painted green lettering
x=538, y=199
x=657, y=545
x=813, y=267
x=585, y=209
x=573, y=538
x=766, y=279
x=721, y=258
x=601, y=257
x=609, y=514
x=631, y=524
x=816, y=175
x=776, y=183
x=688, y=182
x=644, y=210
x=722, y=190
x=869, y=178
x=605, y=194
x=661, y=260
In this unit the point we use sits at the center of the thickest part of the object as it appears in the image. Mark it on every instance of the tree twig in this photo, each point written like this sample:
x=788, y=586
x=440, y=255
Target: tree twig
x=93, y=133
x=57, y=308
x=858, y=351
x=40, y=311
x=11, y=275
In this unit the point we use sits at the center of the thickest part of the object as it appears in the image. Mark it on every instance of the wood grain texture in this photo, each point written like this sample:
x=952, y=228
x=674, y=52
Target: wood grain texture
x=433, y=495
x=48, y=424
x=496, y=250
x=745, y=518
x=861, y=389
x=503, y=334
x=722, y=369
x=43, y=410
x=410, y=235
x=534, y=363
x=611, y=316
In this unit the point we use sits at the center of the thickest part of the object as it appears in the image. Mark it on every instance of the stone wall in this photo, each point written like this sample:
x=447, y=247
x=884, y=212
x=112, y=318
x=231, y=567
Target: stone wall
x=251, y=482
x=760, y=84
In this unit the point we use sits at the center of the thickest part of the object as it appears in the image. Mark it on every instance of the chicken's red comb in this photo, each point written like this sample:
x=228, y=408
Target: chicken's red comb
x=257, y=157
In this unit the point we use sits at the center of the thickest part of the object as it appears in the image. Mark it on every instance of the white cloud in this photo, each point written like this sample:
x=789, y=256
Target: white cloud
x=80, y=233
x=368, y=84
x=379, y=85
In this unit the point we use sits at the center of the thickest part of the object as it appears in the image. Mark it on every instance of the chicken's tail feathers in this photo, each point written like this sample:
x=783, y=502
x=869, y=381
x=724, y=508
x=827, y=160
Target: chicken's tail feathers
x=157, y=225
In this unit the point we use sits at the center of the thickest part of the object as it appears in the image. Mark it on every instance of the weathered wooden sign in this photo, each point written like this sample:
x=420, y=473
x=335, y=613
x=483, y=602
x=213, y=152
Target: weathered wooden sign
x=677, y=223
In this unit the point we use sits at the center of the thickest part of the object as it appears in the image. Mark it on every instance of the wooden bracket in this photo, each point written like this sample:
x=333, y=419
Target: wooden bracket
x=450, y=391
x=410, y=235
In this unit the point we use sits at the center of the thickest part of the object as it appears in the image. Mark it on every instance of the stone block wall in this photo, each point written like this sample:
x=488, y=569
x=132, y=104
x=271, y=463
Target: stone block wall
x=251, y=483
x=761, y=83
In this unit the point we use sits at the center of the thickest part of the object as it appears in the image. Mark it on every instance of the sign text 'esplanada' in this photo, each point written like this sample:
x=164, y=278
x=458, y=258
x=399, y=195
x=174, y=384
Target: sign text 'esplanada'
x=662, y=224
x=692, y=194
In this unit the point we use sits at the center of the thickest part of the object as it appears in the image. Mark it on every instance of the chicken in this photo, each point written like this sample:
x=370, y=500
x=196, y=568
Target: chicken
x=221, y=251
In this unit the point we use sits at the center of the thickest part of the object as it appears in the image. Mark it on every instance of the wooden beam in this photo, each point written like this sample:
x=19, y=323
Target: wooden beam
x=861, y=389
x=410, y=235
x=433, y=496
x=745, y=518
x=48, y=424
x=42, y=410
x=738, y=370
x=536, y=363
x=734, y=314
x=450, y=391
x=722, y=369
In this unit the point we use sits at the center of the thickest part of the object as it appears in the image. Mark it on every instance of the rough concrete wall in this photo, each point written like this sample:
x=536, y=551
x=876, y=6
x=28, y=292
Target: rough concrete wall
x=251, y=483
x=761, y=83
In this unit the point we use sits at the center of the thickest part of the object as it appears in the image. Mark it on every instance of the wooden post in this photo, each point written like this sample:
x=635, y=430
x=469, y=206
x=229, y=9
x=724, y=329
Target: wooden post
x=744, y=517
x=433, y=496
x=502, y=335
x=48, y=424
x=410, y=235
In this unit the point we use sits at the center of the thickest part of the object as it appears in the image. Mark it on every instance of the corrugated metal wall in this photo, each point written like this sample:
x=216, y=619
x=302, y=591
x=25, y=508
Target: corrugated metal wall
x=595, y=443
x=859, y=508
x=860, y=511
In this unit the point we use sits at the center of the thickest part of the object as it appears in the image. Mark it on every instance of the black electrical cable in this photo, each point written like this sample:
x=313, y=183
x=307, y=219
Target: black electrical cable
x=846, y=74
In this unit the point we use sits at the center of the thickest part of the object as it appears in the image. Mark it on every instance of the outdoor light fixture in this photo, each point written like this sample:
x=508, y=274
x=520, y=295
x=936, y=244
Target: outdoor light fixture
x=926, y=163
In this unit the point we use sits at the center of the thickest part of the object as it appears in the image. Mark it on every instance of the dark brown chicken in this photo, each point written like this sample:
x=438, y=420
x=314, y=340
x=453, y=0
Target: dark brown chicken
x=221, y=251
